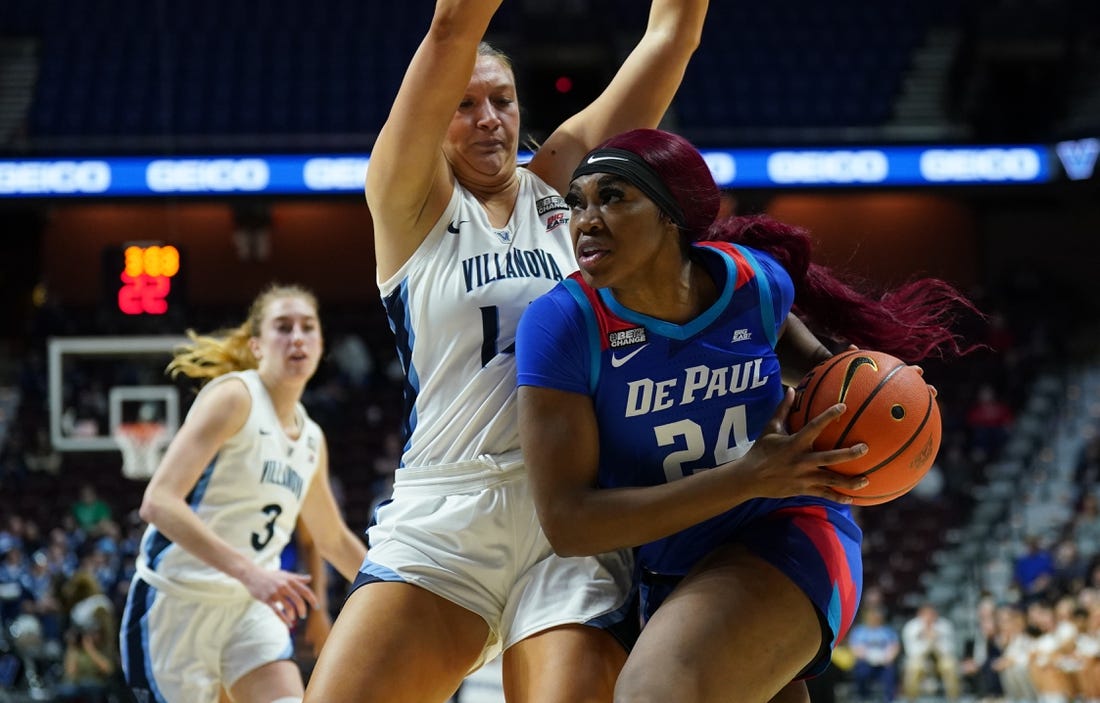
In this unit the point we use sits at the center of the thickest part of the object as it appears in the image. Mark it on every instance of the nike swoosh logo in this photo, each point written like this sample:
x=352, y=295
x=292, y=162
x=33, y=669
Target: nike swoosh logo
x=850, y=373
x=594, y=159
x=263, y=431
x=453, y=227
x=617, y=361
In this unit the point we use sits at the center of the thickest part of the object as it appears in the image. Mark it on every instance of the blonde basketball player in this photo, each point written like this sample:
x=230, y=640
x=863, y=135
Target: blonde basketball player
x=209, y=609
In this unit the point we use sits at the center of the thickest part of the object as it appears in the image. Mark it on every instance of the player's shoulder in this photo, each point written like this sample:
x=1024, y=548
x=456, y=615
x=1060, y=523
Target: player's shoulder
x=561, y=300
x=226, y=400
x=233, y=387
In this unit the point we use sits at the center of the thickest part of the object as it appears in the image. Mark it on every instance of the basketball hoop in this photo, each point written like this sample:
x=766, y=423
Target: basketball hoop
x=142, y=445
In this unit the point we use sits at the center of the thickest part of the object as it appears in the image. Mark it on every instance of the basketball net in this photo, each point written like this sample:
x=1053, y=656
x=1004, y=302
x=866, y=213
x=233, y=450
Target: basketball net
x=142, y=445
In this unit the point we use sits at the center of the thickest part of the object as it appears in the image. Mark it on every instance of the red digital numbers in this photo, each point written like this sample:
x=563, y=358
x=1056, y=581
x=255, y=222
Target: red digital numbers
x=147, y=279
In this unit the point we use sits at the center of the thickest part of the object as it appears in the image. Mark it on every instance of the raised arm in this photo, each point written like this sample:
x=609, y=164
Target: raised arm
x=637, y=96
x=409, y=182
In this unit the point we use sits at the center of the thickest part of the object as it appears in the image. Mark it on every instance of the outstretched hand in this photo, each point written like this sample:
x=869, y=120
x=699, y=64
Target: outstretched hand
x=285, y=592
x=783, y=465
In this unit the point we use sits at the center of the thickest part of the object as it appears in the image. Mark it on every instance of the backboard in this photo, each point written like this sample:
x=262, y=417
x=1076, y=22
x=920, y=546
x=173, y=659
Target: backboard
x=98, y=383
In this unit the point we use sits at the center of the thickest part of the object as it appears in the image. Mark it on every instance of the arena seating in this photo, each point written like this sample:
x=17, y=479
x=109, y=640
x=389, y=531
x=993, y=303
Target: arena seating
x=331, y=67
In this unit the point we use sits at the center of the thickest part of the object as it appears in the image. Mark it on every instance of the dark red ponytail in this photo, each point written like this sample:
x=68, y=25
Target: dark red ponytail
x=913, y=321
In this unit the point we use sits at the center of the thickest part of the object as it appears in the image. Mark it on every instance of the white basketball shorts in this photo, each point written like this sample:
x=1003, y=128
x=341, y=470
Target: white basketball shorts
x=175, y=649
x=469, y=533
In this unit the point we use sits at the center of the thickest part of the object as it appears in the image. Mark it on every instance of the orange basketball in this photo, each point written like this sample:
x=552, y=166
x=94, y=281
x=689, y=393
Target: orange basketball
x=890, y=408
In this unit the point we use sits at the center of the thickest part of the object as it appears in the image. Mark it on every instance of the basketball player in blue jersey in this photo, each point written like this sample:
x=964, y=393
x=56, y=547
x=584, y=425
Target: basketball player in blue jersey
x=209, y=610
x=652, y=413
x=459, y=568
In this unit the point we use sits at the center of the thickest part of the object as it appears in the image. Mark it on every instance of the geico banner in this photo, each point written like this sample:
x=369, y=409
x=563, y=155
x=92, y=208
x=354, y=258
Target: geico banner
x=292, y=174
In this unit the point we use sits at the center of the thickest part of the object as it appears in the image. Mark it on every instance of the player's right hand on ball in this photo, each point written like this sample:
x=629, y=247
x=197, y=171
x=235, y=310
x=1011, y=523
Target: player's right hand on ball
x=783, y=465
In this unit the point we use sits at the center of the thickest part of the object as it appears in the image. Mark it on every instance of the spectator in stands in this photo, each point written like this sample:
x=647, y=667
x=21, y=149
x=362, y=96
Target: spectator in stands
x=1033, y=570
x=1085, y=528
x=930, y=647
x=81, y=596
x=1071, y=570
x=980, y=652
x=33, y=539
x=61, y=558
x=434, y=599
x=91, y=642
x=41, y=587
x=11, y=535
x=1016, y=643
x=1087, y=652
x=876, y=647
x=988, y=420
x=90, y=510
x=13, y=570
x=1054, y=643
x=69, y=533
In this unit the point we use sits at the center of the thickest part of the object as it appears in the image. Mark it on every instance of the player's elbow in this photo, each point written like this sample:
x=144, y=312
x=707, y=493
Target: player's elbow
x=565, y=546
x=148, y=511
x=679, y=38
x=152, y=508
x=566, y=536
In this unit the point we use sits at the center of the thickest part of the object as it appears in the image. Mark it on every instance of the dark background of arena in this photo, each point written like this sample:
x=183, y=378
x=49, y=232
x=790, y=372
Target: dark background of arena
x=156, y=77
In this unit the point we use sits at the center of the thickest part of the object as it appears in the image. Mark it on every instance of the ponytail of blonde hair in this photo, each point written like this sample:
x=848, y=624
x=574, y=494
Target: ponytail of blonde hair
x=211, y=355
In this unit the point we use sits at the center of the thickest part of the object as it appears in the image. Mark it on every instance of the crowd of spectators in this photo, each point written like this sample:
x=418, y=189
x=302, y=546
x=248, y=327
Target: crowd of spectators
x=62, y=589
x=1042, y=649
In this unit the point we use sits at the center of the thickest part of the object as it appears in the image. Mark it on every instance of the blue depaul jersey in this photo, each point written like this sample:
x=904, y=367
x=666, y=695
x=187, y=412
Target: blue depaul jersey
x=670, y=399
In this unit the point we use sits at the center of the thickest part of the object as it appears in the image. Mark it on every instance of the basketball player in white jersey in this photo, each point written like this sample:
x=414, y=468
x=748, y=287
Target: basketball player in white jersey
x=209, y=609
x=459, y=568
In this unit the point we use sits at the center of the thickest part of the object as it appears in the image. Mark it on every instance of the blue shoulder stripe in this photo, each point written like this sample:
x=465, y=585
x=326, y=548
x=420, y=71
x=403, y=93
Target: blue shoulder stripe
x=764, y=286
x=574, y=289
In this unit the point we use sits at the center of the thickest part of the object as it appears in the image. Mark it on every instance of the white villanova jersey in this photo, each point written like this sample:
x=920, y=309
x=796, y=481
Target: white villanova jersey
x=454, y=307
x=249, y=495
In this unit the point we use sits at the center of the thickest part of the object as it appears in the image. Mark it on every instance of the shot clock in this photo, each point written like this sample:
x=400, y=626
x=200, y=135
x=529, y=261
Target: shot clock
x=146, y=277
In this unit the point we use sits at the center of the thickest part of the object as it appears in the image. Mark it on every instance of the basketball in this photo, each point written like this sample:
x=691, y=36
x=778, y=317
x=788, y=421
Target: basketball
x=890, y=408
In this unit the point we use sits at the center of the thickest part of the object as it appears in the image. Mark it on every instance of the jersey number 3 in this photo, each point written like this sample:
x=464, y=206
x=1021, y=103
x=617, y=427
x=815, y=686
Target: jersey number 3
x=273, y=511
